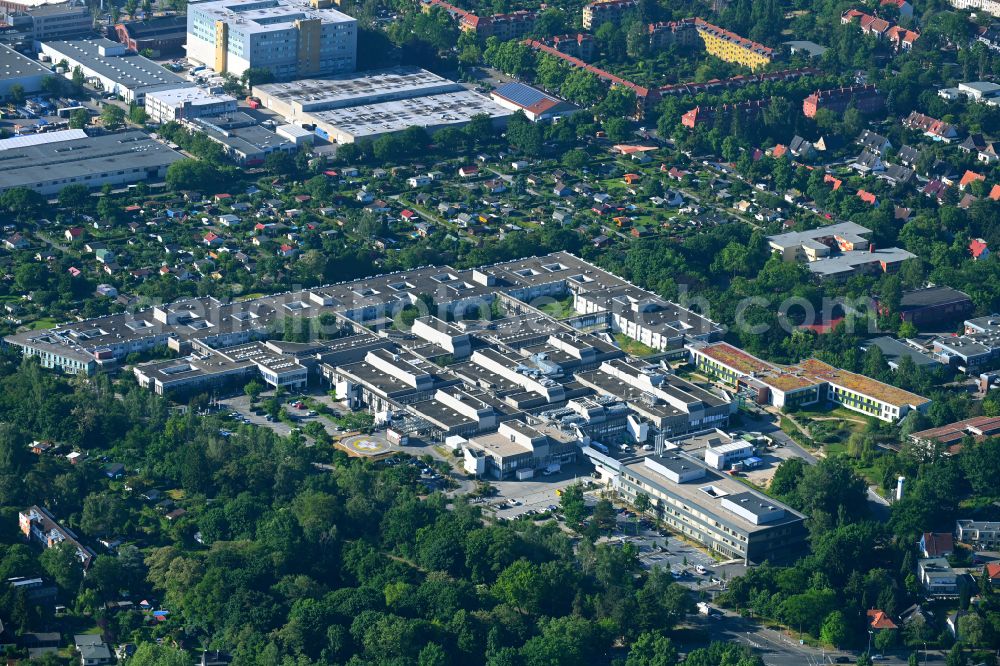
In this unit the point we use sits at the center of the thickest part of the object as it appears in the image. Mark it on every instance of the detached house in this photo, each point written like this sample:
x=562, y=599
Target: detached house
x=874, y=143
x=931, y=127
x=969, y=178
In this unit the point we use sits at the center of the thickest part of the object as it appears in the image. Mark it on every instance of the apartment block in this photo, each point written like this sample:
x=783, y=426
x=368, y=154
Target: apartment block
x=727, y=45
x=865, y=98
x=38, y=524
x=504, y=27
x=291, y=38
x=750, y=110
x=980, y=534
x=579, y=45
x=665, y=34
x=991, y=7
x=613, y=11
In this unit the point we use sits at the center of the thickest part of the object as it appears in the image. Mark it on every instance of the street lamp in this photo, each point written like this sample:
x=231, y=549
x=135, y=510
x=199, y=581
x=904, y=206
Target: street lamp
x=870, y=633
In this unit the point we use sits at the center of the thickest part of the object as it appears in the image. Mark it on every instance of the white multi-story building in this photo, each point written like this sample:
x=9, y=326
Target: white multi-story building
x=988, y=6
x=291, y=38
x=163, y=106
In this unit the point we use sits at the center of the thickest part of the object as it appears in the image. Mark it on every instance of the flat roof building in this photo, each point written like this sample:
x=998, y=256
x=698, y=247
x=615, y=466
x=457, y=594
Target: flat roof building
x=243, y=139
x=291, y=38
x=115, y=159
x=113, y=68
x=52, y=21
x=295, y=99
x=17, y=70
x=713, y=509
x=185, y=103
x=838, y=251
x=163, y=36
x=367, y=105
x=368, y=122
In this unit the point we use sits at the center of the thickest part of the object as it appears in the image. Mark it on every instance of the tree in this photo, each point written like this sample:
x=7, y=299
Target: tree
x=573, y=506
x=137, y=115
x=972, y=630
x=76, y=197
x=79, y=119
x=112, y=116
x=257, y=76
x=432, y=654
x=832, y=487
x=652, y=649
x=253, y=389
x=189, y=174
x=575, y=159
x=835, y=631
x=787, y=477
x=604, y=514
x=520, y=586
x=62, y=565
x=16, y=94
x=151, y=654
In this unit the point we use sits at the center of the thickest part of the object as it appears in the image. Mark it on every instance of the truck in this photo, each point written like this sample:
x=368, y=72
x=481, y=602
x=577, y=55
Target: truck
x=253, y=102
x=706, y=610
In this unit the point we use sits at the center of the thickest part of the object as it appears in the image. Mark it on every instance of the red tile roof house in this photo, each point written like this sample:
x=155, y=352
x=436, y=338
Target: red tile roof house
x=993, y=572
x=868, y=197
x=969, y=178
x=409, y=215
x=468, y=171
x=879, y=620
x=212, y=239
x=73, y=233
x=937, y=544
x=978, y=249
x=834, y=181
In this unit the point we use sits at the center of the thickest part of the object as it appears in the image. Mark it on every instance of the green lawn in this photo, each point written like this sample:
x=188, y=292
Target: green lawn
x=633, y=347
x=43, y=322
x=559, y=309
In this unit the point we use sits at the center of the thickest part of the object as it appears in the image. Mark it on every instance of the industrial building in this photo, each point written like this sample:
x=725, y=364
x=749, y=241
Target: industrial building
x=115, y=159
x=17, y=70
x=17, y=6
x=176, y=104
x=111, y=67
x=294, y=100
x=291, y=38
x=162, y=36
x=535, y=104
x=244, y=141
x=50, y=21
x=367, y=105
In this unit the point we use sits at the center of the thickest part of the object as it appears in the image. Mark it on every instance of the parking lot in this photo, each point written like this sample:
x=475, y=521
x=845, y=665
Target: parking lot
x=536, y=494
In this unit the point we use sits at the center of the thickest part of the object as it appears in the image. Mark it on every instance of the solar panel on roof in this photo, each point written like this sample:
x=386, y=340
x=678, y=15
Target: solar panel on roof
x=521, y=94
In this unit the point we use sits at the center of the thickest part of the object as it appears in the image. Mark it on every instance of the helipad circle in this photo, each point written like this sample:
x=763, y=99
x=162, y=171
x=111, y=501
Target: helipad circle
x=364, y=445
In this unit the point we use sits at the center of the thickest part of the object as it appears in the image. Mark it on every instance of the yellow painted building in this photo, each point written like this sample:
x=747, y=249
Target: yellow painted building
x=731, y=47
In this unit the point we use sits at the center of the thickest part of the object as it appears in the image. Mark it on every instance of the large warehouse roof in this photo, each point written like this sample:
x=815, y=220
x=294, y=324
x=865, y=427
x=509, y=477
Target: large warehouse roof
x=29, y=165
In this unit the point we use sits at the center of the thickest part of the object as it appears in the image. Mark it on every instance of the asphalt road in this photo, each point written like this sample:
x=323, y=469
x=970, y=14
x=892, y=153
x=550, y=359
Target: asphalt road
x=777, y=649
